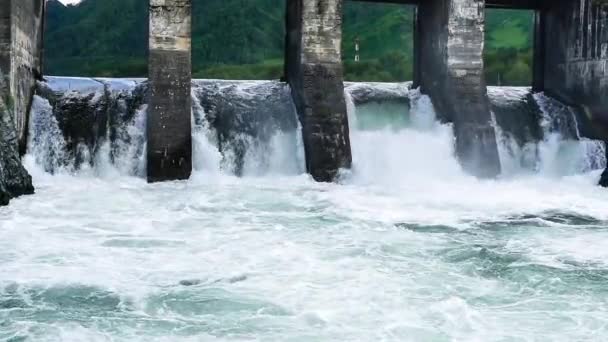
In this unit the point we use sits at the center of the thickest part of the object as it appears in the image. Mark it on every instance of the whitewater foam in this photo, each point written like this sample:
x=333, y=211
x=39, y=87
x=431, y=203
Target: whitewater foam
x=407, y=248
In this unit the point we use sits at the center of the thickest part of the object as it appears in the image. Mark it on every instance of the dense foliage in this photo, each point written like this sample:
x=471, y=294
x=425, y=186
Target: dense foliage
x=243, y=39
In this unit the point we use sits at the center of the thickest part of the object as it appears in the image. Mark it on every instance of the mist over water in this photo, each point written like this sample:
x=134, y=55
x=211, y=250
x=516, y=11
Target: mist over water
x=561, y=151
x=394, y=145
x=406, y=248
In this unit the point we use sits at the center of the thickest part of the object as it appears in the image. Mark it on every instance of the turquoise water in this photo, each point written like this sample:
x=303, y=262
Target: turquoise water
x=404, y=248
x=290, y=260
x=394, y=116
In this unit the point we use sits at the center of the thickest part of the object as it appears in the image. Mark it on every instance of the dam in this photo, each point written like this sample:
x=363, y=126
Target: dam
x=315, y=208
x=448, y=49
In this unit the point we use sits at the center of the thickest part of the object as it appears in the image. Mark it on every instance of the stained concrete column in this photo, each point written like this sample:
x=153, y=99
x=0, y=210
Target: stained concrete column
x=417, y=67
x=576, y=62
x=20, y=58
x=538, y=67
x=451, y=36
x=20, y=64
x=169, y=126
x=576, y=52
x=314, y=71
x=5, y=45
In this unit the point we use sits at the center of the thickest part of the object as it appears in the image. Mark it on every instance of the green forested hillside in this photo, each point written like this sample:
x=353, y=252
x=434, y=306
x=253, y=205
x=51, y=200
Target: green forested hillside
x=243, y=39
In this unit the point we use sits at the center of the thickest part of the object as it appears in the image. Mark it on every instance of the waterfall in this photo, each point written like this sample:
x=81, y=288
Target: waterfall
x=246, y=128
x=516, y=120
x=97, y=126
x=206, y=156
x=46, y=145
x=564, y=151
x=396, y=137
x=539, y=135
x=250, y=128
x=88, y=126
x=400, y=142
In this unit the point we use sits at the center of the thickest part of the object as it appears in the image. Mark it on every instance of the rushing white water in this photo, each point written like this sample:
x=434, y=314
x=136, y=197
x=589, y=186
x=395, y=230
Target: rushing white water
x=48, y=147
x=570, y=156
x=408, y=248
x=561, y=152
x=393, y=145
x=282, y=154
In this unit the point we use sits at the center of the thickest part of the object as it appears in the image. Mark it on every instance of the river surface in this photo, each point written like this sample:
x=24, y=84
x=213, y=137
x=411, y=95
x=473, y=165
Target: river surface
x=404, y=248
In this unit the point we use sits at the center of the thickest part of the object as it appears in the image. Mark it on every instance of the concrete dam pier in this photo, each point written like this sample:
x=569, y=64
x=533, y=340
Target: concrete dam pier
x=570, y=65
x=21, y=29
x=168, y=127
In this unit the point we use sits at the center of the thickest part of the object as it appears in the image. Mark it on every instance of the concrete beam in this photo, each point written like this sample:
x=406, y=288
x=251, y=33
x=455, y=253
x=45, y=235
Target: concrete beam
x=452, y=73
x=169, y=130
x=314, y=71
x=512, y=4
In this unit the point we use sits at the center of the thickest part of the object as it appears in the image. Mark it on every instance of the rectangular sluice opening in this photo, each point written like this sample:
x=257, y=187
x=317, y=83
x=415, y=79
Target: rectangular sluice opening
x=231, y=39
x=509, y=47
x=235, y=39
x=378, y=42
x=106, y=38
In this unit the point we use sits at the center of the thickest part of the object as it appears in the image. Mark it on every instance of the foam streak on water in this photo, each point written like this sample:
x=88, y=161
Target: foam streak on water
x=406, y=249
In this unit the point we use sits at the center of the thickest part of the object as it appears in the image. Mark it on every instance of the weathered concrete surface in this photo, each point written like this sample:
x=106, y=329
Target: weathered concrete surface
x=91, y=115
x=20, y=57
x=5, y=44
x=169, y=115
x=314, y=71
x=245, y=116
x=538, y=56
x=14, y=179
x=576, y=65
x=512, y=4
x=517, y=113
x=604, y=178
x=20, y=65
x=452, y=73
x=366, y=92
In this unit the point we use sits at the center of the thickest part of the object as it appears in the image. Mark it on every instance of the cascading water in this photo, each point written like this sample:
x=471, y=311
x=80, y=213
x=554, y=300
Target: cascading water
x=248, y=128
x=406, y=248
x=88, y=126
x=109, y=137
x=393, y=143
x=550, y=145
x=564, y=151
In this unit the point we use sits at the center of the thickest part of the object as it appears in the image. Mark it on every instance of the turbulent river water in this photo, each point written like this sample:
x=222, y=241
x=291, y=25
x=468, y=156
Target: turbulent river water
x=405, y=248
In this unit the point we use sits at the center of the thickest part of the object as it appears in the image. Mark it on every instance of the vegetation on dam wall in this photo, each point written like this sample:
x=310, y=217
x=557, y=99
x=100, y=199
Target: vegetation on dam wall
x=244, y=39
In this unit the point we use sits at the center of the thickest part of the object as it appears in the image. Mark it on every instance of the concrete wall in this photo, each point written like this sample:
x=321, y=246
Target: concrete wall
x=576, y=55
x=314, y=71
x=451, y=42
x=5, y=43
x=20, y=46
x=26, y=63
x=169, y=127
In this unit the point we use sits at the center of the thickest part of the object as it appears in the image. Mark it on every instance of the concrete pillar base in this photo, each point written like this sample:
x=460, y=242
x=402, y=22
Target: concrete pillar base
x=21, y=31
x=169, y=128
x=451, y=41
x=314, y=71
x=21, y=25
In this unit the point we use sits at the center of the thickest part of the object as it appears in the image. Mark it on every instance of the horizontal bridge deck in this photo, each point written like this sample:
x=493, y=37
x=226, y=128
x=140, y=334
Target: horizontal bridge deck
x=513, y=4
